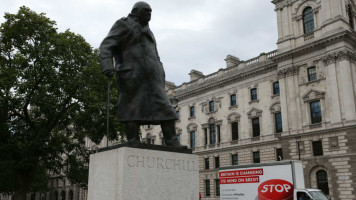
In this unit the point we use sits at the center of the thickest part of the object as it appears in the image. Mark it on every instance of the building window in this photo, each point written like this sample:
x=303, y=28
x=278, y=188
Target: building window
x=163, y=141
x=234, y=159
x=205, y=136
x=234, y=131
x=315, y=112
x=256, y=157
x=178, y=137
x=192, y=139
x=217, y=187
x=312, y=74
x=278, y=122
x=206, y=163
x=308, y=20
x=322, y=181
x=177, y=113
x=279, y=154
x=207, y=188
x=153, y=141
x=212, y=134
x=192, y=111
x=217, y=162
x=233, y=100
x=211, y=106
x=256, y=127
x=276, y=88
x=218, y=133
x=317, y=148
x=253, y=94
x=351, y=17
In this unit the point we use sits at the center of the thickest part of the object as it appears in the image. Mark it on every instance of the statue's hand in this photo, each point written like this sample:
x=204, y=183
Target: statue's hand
x=109, y=73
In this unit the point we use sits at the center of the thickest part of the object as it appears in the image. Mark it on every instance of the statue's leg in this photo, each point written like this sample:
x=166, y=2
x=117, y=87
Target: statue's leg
x=169, y=133
x=132, y=131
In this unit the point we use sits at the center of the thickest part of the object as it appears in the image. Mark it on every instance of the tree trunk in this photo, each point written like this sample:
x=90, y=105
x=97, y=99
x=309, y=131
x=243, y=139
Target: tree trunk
x=23, y=180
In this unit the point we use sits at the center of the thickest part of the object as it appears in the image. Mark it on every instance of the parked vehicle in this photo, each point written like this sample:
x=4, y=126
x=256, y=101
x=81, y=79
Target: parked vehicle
x=282, y=180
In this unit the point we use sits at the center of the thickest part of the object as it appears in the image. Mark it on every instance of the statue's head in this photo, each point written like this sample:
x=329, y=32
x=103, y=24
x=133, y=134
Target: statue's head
x=143, y=11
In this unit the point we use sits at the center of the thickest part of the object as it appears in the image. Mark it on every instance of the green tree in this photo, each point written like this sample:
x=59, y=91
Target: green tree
x=52, y=96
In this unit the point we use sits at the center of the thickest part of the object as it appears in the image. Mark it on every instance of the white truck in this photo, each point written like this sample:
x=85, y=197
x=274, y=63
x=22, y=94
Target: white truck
x=282, y=180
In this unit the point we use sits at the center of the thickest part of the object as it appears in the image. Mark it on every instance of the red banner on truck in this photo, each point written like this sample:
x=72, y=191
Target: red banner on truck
x=239, y=173
x=249, y=179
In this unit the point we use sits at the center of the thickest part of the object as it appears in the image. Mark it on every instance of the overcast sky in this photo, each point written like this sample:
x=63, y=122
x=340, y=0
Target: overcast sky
x=190, y=34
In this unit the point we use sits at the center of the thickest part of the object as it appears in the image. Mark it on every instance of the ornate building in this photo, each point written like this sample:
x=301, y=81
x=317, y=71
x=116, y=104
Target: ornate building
x=297, y=102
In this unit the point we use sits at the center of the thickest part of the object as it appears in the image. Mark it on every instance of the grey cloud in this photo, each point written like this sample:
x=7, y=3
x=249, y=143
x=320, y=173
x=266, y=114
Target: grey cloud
x=191, y=34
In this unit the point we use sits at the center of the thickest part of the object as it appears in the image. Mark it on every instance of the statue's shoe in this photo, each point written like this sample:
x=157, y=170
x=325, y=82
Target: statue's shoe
x=174, y=142
x=137, y=140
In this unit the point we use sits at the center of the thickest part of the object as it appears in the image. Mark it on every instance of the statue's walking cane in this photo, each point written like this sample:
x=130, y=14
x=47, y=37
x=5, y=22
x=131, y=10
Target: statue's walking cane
x=108, y=113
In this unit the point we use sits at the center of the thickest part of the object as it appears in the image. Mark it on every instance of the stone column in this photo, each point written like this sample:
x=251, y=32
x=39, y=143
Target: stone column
x=326, y=14
x=279, y=23
x=289, y=97
x=283, y=100
x=292, y=102
x=207, y=135
x=347, y=89
x=290, y=21
x=298, y=101
x=337, y=8
x=332, y=88
x=285, y=22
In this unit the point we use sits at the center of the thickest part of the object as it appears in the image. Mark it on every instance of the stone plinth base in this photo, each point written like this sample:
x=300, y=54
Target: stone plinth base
x=131, y=172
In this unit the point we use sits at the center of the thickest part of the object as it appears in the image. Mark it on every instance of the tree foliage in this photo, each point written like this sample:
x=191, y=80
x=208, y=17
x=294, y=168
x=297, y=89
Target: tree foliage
x=52, y=96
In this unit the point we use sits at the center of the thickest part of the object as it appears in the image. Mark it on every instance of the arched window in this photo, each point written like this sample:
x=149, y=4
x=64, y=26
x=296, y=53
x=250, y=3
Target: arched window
x=308, y=20
x=351, y=16
x=322, y=181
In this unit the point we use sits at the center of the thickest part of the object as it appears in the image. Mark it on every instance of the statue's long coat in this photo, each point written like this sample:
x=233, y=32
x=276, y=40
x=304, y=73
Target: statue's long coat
x=140, y=73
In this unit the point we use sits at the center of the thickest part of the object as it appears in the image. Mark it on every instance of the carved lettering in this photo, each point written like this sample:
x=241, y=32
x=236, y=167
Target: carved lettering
x=152, y=163
x=129, y=160
x=176, y=164
x=171, y=165
x=160, y=163
x=140, y=161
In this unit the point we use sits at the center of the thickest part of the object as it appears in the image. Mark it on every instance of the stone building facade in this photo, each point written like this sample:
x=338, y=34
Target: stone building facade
x=297, y=102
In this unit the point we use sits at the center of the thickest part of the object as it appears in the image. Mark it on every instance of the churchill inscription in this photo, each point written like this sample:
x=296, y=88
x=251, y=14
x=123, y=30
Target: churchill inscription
x=161, y=163
x=115, y=174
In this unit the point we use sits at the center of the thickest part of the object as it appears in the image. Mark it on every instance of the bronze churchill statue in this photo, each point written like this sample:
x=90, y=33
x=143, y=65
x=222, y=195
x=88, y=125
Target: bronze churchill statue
x=140, y=75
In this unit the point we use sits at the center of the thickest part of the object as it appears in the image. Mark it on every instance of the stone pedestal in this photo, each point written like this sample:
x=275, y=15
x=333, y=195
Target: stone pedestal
x=134, y=171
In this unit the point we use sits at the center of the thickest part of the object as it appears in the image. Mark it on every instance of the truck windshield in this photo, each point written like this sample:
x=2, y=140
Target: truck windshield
x=318, y=195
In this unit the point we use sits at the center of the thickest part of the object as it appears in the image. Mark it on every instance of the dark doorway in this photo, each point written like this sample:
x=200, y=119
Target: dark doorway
x=322, y=181
x=70, y=195
x=63, y=195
